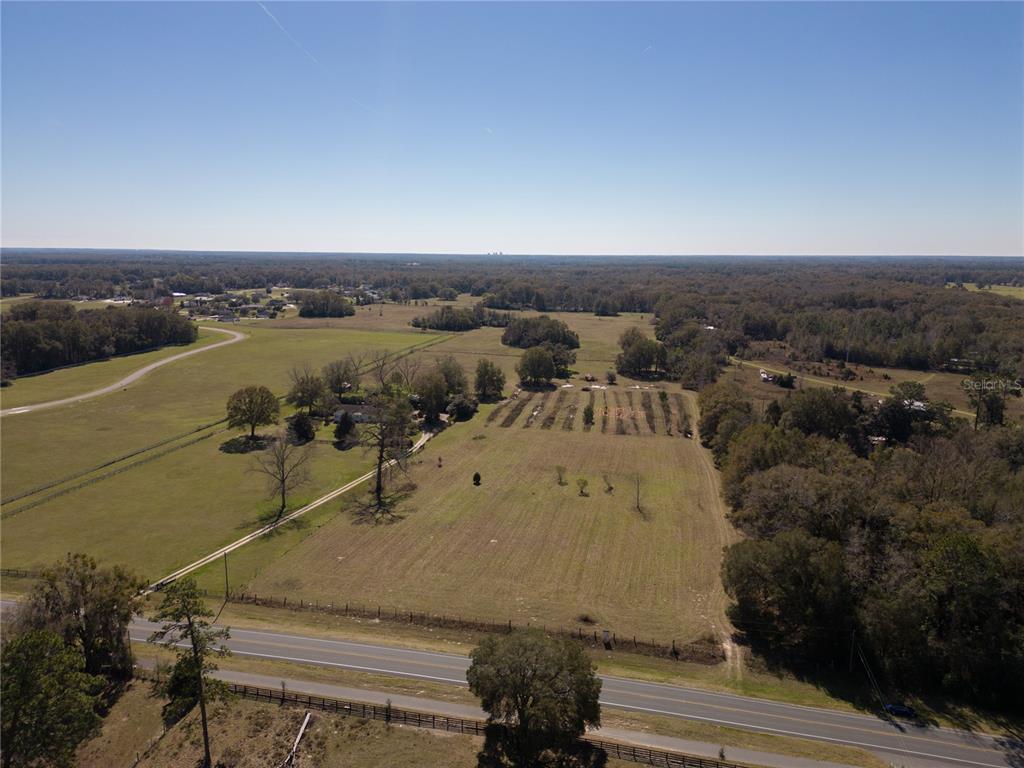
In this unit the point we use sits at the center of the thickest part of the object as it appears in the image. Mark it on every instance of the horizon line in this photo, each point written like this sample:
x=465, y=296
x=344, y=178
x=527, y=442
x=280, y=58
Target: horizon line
x=501, y=254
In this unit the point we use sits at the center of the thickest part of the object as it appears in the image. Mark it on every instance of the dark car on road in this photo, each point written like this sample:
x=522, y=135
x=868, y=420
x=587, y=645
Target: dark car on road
x=901, y=710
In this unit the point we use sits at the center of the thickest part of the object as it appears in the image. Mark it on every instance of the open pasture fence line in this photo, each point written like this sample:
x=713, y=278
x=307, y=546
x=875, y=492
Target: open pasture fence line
x=700, y=651
x=395, y=716
x=109, y=462
x=90, y=481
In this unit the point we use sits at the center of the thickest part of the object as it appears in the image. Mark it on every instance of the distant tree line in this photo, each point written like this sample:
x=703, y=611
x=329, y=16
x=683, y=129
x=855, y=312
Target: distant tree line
x=37, y=336
x=883, y=312
x=890, y=529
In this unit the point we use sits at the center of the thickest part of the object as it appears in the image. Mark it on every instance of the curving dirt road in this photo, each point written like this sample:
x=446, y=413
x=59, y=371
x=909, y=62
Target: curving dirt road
x=130, y=378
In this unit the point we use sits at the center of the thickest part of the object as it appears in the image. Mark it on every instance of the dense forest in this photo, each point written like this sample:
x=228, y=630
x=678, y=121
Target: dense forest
x=885, y=312
x=890, y=529
x=40, y=335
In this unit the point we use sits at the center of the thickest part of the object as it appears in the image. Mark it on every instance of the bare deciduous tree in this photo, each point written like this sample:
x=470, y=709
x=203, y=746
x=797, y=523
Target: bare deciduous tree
x=284, y=465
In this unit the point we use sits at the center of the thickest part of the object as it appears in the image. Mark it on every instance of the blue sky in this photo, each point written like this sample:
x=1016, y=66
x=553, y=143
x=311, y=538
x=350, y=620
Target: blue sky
x=665, y=128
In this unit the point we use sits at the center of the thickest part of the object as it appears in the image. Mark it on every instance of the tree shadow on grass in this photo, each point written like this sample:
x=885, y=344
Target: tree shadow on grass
x=244, y=444
x=266, y=518
x=366, y=510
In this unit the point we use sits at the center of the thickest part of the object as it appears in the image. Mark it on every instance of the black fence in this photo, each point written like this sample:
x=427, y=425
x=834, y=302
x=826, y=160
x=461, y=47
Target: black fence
x=706, y=651
x=389, y=714
x=18, y=573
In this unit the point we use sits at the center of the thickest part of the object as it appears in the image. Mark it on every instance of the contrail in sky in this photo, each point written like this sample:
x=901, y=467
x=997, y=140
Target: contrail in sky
x=288, y=34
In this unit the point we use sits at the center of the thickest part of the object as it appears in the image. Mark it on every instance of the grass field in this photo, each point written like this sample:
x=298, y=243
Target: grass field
x=132, y=724
x=551, y=554
x=651, y=572
x=164, y=514
x=67, y=382
x=156, y=511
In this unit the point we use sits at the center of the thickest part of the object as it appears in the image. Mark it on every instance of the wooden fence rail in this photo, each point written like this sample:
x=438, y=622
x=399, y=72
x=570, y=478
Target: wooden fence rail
x=701, y=651
x=389, y=714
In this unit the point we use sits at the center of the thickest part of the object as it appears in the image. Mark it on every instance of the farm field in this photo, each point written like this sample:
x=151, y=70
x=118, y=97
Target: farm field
x=553, y=555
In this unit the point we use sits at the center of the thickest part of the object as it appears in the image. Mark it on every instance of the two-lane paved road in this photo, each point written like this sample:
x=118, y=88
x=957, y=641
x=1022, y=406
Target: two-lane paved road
x=907, y=745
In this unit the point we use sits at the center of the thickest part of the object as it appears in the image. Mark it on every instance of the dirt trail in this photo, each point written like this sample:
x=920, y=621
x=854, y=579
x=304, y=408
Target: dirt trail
x=131, y=377
x=717, y=600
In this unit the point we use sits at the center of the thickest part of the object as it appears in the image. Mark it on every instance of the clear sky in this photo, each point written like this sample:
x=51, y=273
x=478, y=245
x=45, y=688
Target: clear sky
x=689, y=128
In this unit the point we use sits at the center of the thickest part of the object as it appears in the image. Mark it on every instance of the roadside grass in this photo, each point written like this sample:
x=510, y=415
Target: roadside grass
x=778, y=686
x=611, y=717
x=246, y=734
x=172, y=400
x=87, y=377
x=735, y=738
x=551, y=554
x=130, y=726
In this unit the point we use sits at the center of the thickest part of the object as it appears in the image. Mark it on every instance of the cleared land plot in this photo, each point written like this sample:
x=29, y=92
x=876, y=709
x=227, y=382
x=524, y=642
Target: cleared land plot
x=521, y=547
x=873, y=380
x=1013, y=291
